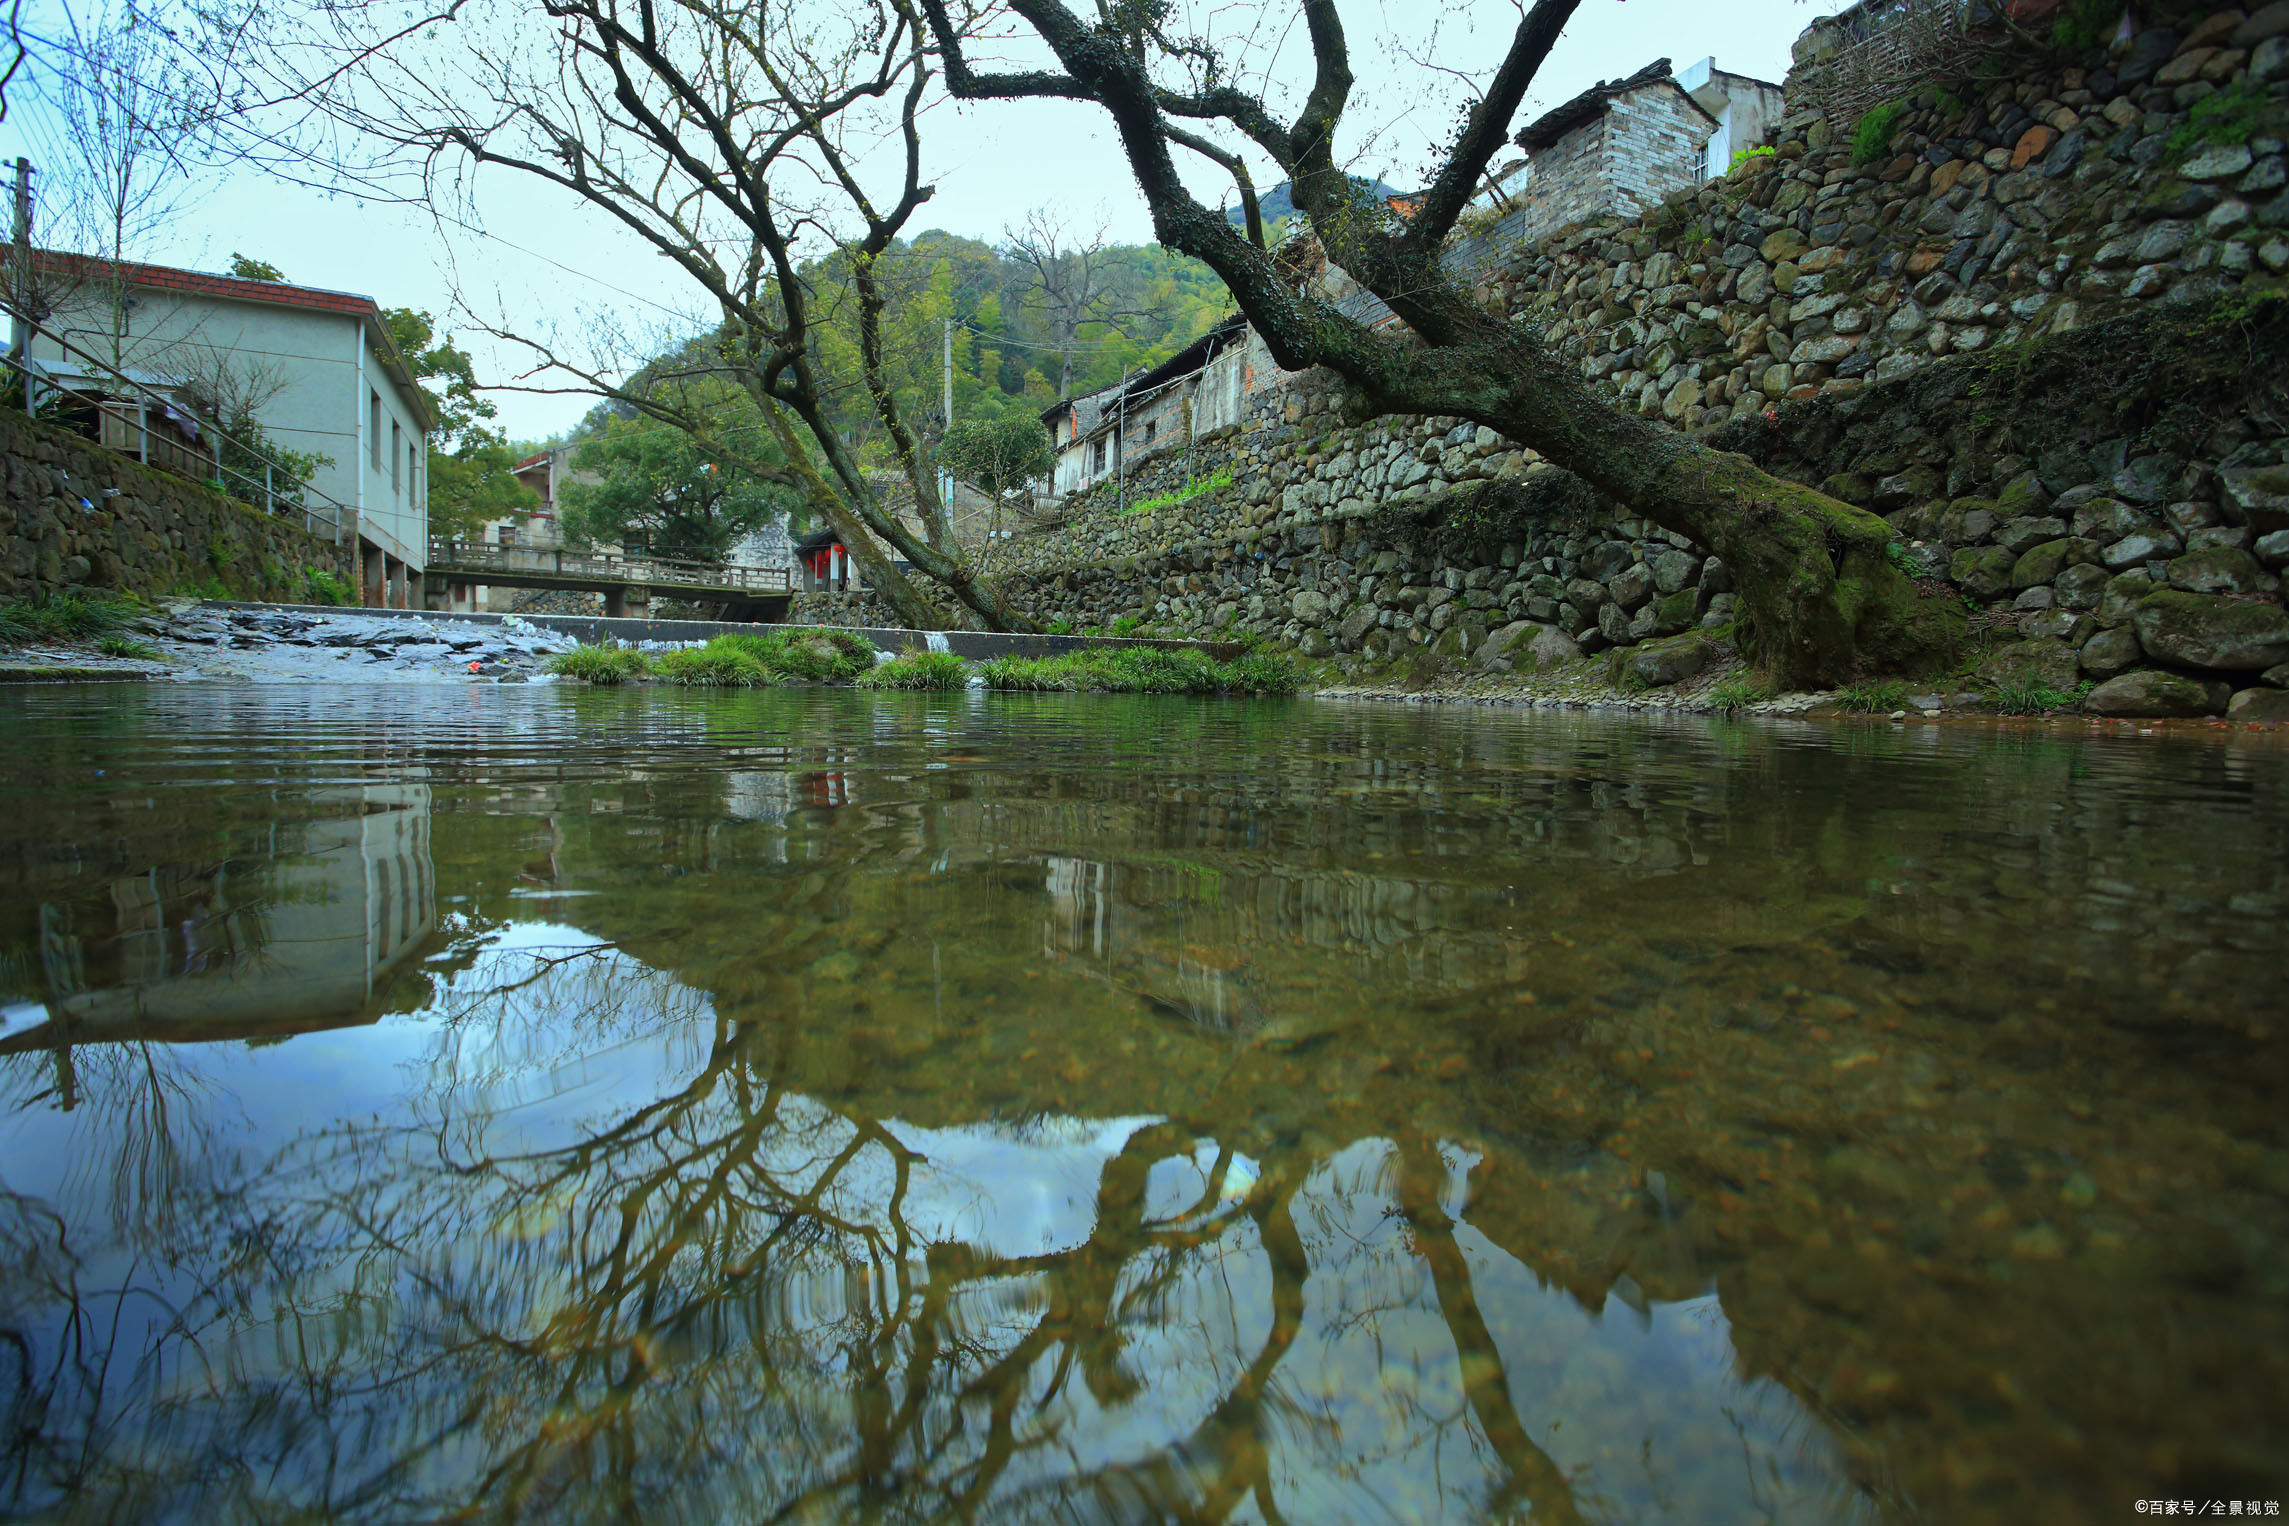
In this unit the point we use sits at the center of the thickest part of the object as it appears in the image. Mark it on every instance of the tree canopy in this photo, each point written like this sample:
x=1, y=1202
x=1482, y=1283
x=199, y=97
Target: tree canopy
x=663, y=492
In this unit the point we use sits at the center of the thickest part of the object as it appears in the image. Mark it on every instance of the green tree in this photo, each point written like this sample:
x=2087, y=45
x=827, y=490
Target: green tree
x=1001, y=455
x=665, y=491
x=471, y=466
x=248, y=268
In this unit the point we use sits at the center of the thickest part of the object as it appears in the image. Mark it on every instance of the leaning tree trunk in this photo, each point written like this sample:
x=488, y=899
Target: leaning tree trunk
x=1820, y=600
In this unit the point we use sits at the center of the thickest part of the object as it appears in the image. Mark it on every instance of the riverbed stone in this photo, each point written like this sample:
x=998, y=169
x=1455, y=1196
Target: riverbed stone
x=2080, y=587
x=2109, y=653
x=2124, y=592
x=1984, y=572
x=2197, y=630
x=2152, y=693
x=2259, y=707
x=2258, y=497
x=2042, y=663
x=2039, y=565
x=1658, y=666
x=2217, y=569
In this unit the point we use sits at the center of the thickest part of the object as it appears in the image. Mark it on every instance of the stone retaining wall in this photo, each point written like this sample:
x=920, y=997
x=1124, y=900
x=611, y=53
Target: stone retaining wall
x=2068, y=261
x=78, y=515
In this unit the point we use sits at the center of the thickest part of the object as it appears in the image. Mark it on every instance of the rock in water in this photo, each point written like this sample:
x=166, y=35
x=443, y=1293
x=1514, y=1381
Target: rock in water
x=2150, y=693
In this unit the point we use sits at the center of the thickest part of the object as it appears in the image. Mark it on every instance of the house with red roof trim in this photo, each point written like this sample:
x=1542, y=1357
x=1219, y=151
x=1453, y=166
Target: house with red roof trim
x=319, y=368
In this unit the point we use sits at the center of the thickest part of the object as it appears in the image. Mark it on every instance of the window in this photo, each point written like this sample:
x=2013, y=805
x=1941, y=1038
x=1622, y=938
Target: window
x=1152, y=427
x=373, y=428
x=396, y=455
x=1097, y=458
x=508, y=535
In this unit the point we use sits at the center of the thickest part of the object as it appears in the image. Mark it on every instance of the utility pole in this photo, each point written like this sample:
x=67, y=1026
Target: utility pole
x=946, y=410
x=20, y=284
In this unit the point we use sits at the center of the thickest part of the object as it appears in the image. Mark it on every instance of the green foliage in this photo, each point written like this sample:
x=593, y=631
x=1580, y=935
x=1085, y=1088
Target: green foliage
x=1220, y=478
x=472, y=485
x=2233, y=115
x=739, y=659
x=609, y=663
x=1872, y=138
x=1059, y=627
x=220, y=553
x=1733, y=695
x=319, y=586
x=247, y=268
x=66, y=616
x=2025, y=696
x=1126, y=625
x=1001, y=454
x=666, y=492
x=1144, y=670
x=823, y=655
x=714, y=666
x=126, y=646
x=1875, y=698
x=917, y=670
x=2085, y=25
x=1744, y=155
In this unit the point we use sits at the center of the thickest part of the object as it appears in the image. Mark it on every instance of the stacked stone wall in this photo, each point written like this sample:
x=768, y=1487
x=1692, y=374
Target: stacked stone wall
x=1938, y=335
x=78, y=515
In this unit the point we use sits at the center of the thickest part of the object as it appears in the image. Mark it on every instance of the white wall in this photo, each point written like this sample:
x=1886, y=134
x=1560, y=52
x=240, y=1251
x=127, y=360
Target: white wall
x=322, y=373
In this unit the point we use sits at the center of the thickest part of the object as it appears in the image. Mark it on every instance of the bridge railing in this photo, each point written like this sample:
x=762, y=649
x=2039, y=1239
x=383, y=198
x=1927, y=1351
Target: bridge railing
x=447, y=554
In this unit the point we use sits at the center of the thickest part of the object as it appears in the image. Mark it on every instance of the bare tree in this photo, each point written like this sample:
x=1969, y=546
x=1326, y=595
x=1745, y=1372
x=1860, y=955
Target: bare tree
x=1070, y=288
x=743, y=147
x=1822, y=601
x=119, y=149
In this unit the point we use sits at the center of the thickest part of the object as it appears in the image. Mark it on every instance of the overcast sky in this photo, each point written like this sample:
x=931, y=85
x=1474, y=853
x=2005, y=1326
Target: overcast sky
x=541, y=260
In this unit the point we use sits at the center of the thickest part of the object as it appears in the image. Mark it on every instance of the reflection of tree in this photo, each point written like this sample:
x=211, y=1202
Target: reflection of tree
x=726, y=1296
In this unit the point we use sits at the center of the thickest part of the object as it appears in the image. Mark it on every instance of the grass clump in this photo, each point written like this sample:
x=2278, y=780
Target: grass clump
x=2028, y=697
x=1734, y=695
x=67, y=616
x=713, y=666
x=918, y=670
x=1220, y=478
x=607, y=664
x=126, y=646
x=1875, y=698
x=1144, y=670
x=1872, y=139
x=322, y=587
x=801, y=656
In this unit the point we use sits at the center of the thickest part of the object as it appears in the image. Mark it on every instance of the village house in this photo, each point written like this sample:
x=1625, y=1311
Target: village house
x=1200, y=388
x=316, y=368
x=1623, y=146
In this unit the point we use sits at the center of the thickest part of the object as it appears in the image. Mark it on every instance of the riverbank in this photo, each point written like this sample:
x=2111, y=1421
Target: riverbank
x=245, y=643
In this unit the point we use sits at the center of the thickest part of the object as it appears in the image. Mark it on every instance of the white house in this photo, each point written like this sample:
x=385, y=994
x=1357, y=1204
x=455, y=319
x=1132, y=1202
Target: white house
x=319, y=367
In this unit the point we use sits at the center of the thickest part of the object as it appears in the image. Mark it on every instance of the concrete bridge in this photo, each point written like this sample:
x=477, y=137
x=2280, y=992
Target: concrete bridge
x=748, y=595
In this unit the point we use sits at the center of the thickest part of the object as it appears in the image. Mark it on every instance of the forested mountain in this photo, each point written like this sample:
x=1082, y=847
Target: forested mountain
x=1041, y=317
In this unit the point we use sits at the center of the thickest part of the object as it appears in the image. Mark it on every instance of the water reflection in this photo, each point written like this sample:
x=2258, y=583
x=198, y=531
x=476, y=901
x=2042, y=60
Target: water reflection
x=809, y=1108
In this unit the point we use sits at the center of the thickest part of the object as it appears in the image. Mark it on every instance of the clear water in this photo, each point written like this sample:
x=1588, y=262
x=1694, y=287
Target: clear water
x=820, y=1106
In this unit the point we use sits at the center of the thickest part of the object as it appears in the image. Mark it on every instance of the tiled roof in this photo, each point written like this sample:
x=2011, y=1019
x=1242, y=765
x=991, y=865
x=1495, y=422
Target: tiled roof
x=239, y=289
x=1587, y=107
x=168, y=278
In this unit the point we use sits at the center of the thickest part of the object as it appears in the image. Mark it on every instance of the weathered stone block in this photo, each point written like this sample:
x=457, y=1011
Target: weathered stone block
x=2151, y=694
x=2197, y=630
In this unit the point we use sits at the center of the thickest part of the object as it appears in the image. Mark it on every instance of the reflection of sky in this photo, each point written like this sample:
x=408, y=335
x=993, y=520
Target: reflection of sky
x=549, y=1037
